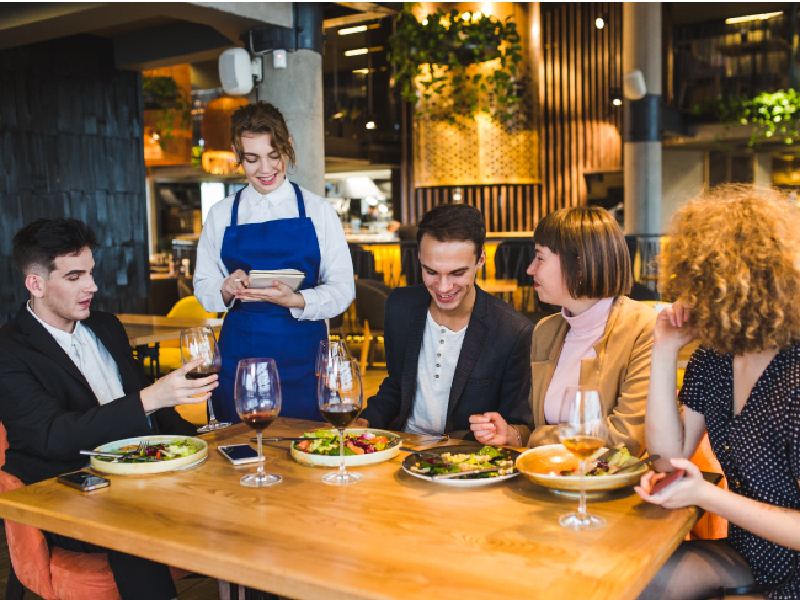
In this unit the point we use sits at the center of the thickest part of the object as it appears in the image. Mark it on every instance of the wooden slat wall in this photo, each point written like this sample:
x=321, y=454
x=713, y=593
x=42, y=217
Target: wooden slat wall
x=71, y=145
x=581, y=129
x=506, y=208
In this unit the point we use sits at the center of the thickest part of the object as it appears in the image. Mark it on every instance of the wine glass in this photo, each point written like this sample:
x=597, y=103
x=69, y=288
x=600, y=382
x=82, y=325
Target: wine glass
x=339, y=393
x=257, y=395
x=330, y=349
x=197, y=343
x=582, y=429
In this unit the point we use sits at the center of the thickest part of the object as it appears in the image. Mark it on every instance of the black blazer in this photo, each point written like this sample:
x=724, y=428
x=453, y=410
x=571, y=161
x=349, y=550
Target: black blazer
x=49, y=411
x=493, y=373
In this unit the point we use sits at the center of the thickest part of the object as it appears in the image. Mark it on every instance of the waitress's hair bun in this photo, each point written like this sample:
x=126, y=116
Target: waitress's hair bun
x=261, y=118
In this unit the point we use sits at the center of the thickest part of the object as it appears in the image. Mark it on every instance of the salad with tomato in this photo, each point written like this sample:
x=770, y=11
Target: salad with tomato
x=326, y=442
x=155, y=452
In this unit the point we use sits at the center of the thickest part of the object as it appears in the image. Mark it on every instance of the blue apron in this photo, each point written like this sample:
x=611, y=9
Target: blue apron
x=266, y=330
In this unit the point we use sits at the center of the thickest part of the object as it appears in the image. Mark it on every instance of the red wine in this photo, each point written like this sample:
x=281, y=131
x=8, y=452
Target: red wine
x=259, y=421
x=340, y=414
x=200, y=372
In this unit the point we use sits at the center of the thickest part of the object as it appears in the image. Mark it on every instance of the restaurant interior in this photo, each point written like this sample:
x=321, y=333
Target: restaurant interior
x=116, y=114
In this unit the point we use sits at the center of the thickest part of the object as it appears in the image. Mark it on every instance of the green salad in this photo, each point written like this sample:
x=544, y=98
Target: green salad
x=326, y=442
x=486, y=457
x=155, y=452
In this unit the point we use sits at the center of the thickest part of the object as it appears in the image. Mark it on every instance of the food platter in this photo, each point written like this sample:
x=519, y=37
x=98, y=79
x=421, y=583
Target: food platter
x=150, y=467
x=542, y=466
x=470, y=481
x=361, y=460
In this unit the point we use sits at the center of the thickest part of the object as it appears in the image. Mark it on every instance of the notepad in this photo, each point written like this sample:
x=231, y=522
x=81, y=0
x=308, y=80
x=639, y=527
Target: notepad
x=260, y=279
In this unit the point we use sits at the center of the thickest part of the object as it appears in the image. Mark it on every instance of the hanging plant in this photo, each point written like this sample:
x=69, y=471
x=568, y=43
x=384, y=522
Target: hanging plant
x=440, y=63
x=773, y=116
x=171, y=102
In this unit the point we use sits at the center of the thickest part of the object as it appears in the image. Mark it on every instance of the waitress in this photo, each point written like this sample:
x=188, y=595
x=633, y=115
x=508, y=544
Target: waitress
x=271, y=224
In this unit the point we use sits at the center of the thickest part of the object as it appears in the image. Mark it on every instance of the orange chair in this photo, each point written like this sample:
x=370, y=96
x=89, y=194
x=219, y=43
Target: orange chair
x=55, y=574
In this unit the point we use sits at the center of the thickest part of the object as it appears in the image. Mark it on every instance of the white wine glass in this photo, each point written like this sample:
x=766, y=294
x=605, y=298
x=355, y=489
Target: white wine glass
x=330, y=349
x=257, y=396
x=199, y=343
x=339, y=392
x=582, y=429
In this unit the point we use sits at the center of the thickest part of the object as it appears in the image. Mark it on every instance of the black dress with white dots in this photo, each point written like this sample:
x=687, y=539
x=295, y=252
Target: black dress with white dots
x=758, y=449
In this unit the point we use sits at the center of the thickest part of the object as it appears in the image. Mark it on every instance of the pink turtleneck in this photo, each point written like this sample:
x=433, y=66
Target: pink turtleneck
x=585, y=330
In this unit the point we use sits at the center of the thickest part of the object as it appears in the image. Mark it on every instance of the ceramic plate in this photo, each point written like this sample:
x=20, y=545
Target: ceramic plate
x=470, y=481
x=541, y=465
x=359, y=460
x=147, y=468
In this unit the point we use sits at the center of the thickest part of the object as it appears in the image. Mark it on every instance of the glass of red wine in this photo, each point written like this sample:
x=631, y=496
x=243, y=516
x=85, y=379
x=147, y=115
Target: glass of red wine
x=200, y=343
x=257, y=396
x=582, y=429
x=339, y=393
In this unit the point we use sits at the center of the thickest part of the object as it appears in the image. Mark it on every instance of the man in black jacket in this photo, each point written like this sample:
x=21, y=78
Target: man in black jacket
x=452, y=350
x=69, y=382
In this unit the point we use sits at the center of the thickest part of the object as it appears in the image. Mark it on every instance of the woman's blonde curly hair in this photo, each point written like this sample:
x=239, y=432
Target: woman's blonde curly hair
x=733, y=257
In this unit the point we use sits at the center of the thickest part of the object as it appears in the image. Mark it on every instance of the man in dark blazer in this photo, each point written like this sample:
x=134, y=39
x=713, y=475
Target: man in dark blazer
x=69, y=382
x=452, y=350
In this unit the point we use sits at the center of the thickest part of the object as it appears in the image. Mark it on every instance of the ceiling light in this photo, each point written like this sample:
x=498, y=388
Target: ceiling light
x=747, y=18
x=370, y=124
x=617, y=101
x=363, y=71
x=352, y=30
x=356, y=52
x=599, y=23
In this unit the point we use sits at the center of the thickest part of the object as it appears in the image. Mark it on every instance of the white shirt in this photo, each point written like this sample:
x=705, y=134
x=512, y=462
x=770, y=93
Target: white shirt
x=92, y=359
x=438, y=359
x=324, y=301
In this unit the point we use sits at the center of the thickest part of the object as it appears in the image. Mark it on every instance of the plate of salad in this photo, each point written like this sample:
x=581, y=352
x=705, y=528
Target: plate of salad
x=163, y=453
x=362, y=447
x=464, y=459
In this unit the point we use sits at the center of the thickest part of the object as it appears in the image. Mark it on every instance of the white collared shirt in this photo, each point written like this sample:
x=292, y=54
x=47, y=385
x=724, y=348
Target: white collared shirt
x=437, y=363
x=90, y=356
x=330, y=298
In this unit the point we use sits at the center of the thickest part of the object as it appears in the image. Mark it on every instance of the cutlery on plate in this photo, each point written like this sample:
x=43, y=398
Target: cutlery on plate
x=281, y=439
x=112, y=455
x=639, y=463
x=464, y=473
x=605, y=455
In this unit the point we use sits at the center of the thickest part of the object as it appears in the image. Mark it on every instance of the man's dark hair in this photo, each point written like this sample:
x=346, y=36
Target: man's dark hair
x=454, y=223
x=37, y=245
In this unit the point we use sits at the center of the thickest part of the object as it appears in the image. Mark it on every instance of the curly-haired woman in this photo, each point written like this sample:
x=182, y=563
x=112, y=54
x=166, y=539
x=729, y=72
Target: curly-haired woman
x=271, y=224
x=733, y=265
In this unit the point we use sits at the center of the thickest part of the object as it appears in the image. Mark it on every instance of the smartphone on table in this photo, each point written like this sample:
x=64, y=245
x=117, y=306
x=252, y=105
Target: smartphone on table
x=83, y=481
x=240, y=454
x=671, y=478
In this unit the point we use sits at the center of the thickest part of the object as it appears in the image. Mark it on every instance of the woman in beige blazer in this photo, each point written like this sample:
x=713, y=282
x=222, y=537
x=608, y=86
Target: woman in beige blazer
x=601, y=338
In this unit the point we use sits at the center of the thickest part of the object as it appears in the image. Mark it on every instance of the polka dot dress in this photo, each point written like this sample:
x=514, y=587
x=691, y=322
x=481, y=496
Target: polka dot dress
x=758, y=449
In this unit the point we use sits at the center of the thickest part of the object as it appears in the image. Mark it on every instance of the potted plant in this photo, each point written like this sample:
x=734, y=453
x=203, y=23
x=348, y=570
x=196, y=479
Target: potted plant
x=442, y=55
x=173, y=106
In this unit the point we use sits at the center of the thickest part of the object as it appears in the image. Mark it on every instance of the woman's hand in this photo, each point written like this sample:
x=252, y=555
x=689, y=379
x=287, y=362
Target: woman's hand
x=280, y=294
x=175, y=389
x=236, y=282
x=688, y=491
x=490, y=428
x=671, y=329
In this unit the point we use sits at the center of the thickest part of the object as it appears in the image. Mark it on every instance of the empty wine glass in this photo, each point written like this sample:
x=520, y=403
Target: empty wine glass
x=330, y=349
x=200, y=343
x=339, y=393
x=582, y=429
x=257, y=396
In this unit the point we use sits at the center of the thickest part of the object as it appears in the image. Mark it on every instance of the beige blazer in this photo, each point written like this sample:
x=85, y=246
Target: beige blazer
x=621, y=371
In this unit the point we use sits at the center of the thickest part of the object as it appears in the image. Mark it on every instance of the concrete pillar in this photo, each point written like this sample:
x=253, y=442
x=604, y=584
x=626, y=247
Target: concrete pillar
x=297, y=92
x=641, y=49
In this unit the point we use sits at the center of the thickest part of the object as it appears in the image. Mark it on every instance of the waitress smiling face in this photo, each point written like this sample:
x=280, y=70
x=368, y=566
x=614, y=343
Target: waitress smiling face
x=264, y=167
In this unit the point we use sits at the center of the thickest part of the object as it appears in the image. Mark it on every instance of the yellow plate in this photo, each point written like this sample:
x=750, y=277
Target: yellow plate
x=541, y=465
x=147, y=468
x=358, y=460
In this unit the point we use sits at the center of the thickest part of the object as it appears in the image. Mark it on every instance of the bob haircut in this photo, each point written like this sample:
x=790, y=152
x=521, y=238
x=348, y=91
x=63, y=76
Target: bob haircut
x=454, y=223
x=258, y=119
x=595, y=260
x=36, y=246
x=733, y=258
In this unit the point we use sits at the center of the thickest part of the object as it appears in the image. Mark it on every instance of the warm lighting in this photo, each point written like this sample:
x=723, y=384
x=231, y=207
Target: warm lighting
x=156, y=137
x=220, y=162
x=486, y=8
x=362, y=71
x=424, y=21
x=617, y=101
x=370, y=124
x=352, y=30
x=477, y=16
x=599, y=23
x=465, y=16
x=356, y=52
x=748, y=18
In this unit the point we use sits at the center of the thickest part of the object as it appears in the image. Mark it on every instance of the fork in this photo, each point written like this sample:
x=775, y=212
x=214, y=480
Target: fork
x=142, y=447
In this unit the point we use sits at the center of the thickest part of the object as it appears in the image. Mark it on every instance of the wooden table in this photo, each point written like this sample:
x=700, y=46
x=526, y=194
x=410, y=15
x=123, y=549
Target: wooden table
x=391, y=536
x=144, y=330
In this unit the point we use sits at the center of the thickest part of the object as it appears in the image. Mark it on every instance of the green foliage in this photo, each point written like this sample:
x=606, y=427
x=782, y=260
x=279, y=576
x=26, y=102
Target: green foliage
x=773, y=116
x=171, y=102
x=449, y=45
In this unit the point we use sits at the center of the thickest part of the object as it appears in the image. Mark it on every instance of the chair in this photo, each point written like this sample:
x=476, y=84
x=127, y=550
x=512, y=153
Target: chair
x=370, y=304
x=60, y=575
